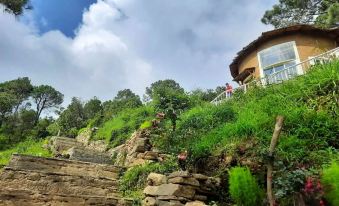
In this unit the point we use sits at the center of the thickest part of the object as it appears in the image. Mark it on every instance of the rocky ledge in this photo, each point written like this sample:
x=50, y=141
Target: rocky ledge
x=179, y=188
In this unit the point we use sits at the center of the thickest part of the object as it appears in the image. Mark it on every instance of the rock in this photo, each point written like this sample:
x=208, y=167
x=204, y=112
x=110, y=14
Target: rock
x=170, y=190
x=141, y=155
x=155, y=179
x=170, y=203
x=200, y=177
x=182, y=199
x=86, y=155
x=179, y=174
x=200, y=197
x=184, y=181
x=139, y=146
x=136, y=162
x=195, y=203
x=149, y=155
x=149, y=201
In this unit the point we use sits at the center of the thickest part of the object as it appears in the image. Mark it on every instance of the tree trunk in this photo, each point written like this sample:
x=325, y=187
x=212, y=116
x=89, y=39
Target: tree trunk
x=274, y=141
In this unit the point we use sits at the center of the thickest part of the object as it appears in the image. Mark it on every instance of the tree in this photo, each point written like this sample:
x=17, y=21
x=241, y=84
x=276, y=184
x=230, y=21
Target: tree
x=123, y=100
x=92, y=107
x=7, y=103
x=323, y=13
x=169, y=97
x=15, y=6
x=45, y=97
x=21, y=88
x=72, y=118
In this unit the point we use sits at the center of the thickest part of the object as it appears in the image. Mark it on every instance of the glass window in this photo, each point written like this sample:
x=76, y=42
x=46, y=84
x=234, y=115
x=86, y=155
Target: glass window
x=276, y=54
x=276, y=59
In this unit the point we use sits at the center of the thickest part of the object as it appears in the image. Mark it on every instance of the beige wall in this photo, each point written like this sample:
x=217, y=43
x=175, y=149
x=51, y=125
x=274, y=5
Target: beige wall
x=306, y=45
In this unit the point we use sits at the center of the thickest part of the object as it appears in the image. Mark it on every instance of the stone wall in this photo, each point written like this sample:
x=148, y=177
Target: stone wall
x=179, y=188
x=137, y=151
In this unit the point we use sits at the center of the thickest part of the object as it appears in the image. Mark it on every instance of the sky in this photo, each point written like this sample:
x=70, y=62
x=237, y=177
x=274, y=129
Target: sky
x=87, y=48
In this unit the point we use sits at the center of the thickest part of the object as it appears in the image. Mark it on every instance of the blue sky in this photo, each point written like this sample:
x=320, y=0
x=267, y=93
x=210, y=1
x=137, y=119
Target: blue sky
x=63, y=15
x=122, y=44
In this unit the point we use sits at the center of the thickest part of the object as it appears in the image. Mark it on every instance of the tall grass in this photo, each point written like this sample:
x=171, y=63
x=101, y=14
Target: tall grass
x=116, y=130
x=311, y=124
x=28, y=147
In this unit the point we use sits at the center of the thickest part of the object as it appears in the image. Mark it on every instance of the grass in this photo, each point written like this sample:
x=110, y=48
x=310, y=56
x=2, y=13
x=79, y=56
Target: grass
x=311, y=124
x=116, y=130
x=28, y=147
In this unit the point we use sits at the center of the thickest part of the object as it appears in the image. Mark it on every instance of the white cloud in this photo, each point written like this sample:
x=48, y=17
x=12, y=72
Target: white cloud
x=131, y=43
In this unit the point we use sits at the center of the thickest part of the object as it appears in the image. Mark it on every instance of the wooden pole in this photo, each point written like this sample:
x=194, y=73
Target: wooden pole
x=274, y=141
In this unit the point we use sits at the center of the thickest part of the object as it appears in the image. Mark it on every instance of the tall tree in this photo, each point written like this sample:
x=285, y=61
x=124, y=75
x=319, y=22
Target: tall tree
x=21, y=88
x=92, y=107
x=15, y=6
x=169, y=97
x=46, y=97
x=323, y=13
x=7, y=103
x=72, y=118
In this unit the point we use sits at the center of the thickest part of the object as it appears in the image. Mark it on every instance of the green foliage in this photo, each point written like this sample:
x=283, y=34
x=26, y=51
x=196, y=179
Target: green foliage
x=45, y=97
x=134, y=180
x=330, y=179
x=116, y=130
x=15, y=6
x=92, y=108
x=28, y=147
x=146, y=125
x=73, y=118
x=323, y=13
x=243, y=187
x=125, y=99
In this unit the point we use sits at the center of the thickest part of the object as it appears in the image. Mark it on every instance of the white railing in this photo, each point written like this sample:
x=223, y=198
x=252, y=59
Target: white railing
x=283, y=75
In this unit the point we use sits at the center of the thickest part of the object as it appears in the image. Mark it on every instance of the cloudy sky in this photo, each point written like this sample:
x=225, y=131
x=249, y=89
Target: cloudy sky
x=87, y=48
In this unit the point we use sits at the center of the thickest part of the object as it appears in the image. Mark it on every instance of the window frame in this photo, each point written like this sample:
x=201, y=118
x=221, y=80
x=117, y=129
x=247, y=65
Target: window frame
x=296, y=53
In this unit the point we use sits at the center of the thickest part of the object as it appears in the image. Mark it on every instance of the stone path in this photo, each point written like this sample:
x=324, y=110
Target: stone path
x=29, y=180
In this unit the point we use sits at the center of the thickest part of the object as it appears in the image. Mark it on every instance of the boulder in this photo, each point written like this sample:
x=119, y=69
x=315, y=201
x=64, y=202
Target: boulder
x=200, y=177
x=184, y=181
x=195, y=203
x=170, y=190
x=179, y=174
x=155, y=179
x=149, y=155
x=170, y=203
x=200, y=197
x=149, y=201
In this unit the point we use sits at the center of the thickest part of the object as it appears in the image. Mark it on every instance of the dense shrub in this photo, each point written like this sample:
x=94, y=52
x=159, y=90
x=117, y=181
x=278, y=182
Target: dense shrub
x=330, y=179
x=243, y=187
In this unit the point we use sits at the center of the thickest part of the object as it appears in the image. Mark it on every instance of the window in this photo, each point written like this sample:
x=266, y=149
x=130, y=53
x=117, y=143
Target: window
x=276, y=59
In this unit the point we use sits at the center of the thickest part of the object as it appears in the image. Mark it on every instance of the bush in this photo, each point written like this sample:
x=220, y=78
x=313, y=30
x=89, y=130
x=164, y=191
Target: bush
x=243, y=187
x=330, y=180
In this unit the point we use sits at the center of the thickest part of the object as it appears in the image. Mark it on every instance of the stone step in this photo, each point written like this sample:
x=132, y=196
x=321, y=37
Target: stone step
x=62, y=166
x=86, y=155
x=60, y=144
x=58, y=184
x=21, y=197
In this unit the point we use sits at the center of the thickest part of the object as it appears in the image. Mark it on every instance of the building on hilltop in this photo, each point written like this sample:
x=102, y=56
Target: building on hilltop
x=276, y=50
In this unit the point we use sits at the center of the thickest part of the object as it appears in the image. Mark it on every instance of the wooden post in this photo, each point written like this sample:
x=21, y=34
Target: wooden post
x=274, y=141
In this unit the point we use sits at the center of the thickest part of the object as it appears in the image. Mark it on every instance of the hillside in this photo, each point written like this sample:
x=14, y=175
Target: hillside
x=222, y=141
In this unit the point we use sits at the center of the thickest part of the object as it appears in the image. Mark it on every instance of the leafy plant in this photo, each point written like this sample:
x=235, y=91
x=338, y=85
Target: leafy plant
x=243, y=187
x=330, y=179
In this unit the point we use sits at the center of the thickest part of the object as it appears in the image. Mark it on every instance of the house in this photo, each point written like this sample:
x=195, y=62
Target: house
x=268, y=57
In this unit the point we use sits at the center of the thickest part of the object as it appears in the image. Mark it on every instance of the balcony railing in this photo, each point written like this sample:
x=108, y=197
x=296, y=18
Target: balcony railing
x=283, y=75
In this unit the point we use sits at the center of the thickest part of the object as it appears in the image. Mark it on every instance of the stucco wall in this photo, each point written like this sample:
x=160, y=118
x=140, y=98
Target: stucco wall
x=307, y=46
